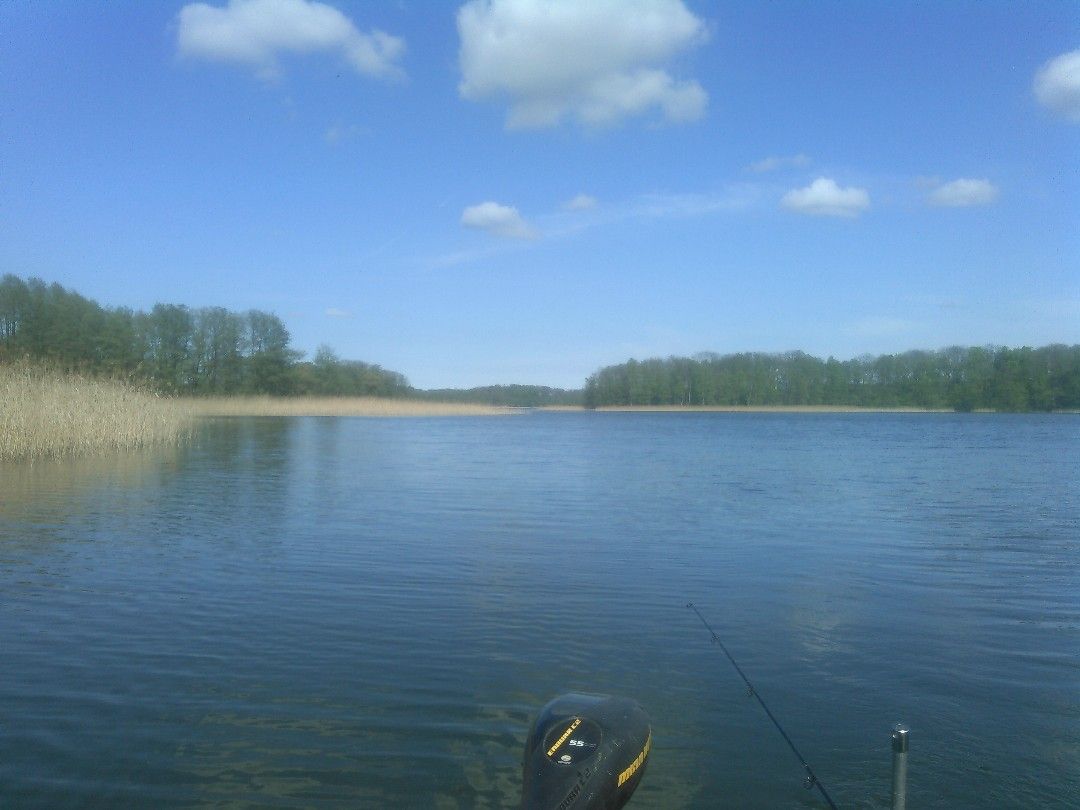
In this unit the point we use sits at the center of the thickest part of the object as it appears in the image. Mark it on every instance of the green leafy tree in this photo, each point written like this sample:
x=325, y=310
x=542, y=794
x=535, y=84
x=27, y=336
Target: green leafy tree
x=269, y=359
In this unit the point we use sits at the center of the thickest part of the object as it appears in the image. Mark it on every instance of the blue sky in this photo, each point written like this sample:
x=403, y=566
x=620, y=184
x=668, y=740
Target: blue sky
x=515, y=191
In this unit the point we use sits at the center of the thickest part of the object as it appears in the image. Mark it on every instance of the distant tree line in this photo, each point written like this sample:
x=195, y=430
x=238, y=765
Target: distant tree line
x=328, y=375
x=173, y=348
x=521, y=396
x=962, y=379
x=211, y=350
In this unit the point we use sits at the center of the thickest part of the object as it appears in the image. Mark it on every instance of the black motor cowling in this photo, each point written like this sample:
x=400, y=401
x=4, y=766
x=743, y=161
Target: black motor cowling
x=585, y=752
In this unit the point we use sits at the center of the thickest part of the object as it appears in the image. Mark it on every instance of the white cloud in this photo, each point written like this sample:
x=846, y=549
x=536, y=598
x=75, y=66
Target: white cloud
x=598, y=61
x=582, y=202
x=964, y=192
x=824, y=197
x=500, y=220
x=1057, y=85
x=257, y=32
x=335, y=312
x=771, y=164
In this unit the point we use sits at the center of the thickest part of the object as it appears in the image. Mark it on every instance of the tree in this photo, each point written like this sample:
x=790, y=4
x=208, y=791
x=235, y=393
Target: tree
x=14, y=308
x=270, y=359
x=327, y=372
x=217, y=351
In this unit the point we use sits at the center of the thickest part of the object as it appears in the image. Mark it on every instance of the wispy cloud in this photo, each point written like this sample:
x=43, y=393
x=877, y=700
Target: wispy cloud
x=655, y=206
x=825, y=198
x=1057, y=85
x=341, y=132
x=772, y=164
x=881, y=326
x=498, y=220
x=335, y=312
x=1056, y=308
x=598, y=62
x=736, y=197
x=565, y=222
x=964, y=193
x=473, y=254
x=582, y=202
x=256, y=33
x=935, y=301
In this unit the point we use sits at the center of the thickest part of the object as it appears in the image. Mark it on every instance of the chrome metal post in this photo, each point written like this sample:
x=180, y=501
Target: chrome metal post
x=899, y=767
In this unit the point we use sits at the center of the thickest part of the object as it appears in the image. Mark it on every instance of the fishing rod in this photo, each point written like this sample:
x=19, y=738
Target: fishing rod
x=811, y=777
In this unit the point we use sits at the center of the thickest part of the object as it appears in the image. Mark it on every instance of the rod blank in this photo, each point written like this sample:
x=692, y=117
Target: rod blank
x=811, y=778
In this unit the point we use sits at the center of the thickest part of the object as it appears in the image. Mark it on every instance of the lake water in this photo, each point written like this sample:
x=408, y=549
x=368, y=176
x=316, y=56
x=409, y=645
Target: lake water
x=367, y=613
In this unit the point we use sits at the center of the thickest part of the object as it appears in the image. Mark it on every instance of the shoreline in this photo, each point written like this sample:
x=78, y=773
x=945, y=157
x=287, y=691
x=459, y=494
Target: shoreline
x=335, y=406
x=822, y=409
x=387, y=407
x=768, y=409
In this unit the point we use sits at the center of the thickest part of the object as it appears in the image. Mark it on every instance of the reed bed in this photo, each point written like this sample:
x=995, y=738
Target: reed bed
x=336, y=406
x=46, y=414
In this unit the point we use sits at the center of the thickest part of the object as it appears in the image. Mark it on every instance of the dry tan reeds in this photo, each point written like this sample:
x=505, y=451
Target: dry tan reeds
x=45, y=414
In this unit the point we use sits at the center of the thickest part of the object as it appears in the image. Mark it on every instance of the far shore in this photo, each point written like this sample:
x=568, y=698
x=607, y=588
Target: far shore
x=378, y=406
x=763, y=409
x=335, y=406
x=55, y=415
x=386, y=407
x=779, y=409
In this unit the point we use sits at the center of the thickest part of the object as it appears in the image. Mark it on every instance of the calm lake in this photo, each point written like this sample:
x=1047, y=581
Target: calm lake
x=367, y=613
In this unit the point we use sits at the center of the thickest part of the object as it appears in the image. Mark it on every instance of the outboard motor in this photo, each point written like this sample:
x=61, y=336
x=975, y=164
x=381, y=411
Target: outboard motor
x=585, y=752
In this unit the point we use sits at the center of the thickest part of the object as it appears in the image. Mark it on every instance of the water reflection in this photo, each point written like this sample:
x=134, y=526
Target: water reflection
x=44, y=491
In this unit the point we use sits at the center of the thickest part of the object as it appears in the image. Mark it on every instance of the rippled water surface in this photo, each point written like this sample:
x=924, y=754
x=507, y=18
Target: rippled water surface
x=366, y=613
